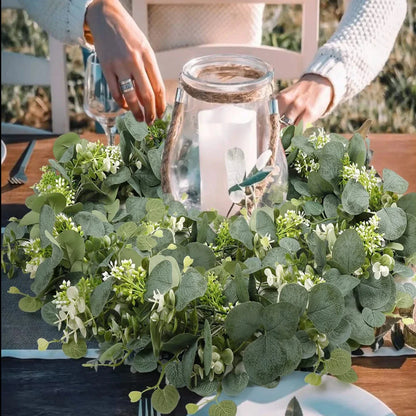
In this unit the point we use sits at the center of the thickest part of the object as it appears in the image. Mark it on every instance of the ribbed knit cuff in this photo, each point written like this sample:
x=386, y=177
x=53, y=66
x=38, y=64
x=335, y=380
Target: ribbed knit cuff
x=334, y=70
x=76, y=16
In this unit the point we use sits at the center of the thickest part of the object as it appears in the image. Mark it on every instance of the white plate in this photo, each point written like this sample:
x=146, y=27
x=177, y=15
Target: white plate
x=3, y=151
x=331, y=398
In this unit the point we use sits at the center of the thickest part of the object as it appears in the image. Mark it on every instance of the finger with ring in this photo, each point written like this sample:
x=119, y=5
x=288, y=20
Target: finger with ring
x=126, y=85
x=287, y=120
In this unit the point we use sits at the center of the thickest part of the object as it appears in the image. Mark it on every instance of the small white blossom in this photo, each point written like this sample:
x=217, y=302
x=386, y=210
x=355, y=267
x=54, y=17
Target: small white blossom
x=380, y=270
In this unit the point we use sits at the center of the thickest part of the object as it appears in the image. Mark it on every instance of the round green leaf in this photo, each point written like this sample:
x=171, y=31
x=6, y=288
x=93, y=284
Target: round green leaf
x=348, y=252
x=191, y=408
x=29, y=304
x=233, y=383
x=339, y=362
x=63, y=143
x=326, y=307
x=313, y=379
x=224, y=408
x=165, y=400
x=74, y=349
x=374, y=318
x=281, y=319
x=354, y=198
x=135, y=396
x=243, y=320
x=393, y=222
x=43, y=344
x=394, y=182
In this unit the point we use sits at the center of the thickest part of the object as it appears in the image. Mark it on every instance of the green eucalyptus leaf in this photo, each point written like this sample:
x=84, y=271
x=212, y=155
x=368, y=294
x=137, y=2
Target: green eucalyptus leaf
x=243, y=320
x=174, y=374
x=29, y=304
x=49, y=313
x=207, y=347
x=30, y=218
x=46, y=224
x=393, y=222
x=373, y=293
x=72, y=245
x=262, y=223
x=408, y=239
x=330, y=204
x=344, y=282
x=408, y=203
x=394, y=182
x=144, y=362
x=349, y=377
x=355, y=199
x=223, y=408
x=99, y=296
x=233, y=383
x=240, y=231
x=155, y=210
x=74, y=349
x=307, y=344
x=326, y=307
x=160, y=278
x=120, y=177
x=188, y=363
x=357, y=150
x=313, y=379
x=155, y=160
x=374, y=318
x=138, y=130
x=90, y=224
x=294, y=294
x=136, y=207
x=318, y=186
x=63, y=143
x=235, y=166
x=339, y=362
x=192, y=286
x=313, y=208
x=348, y=252
x=290, y=244
x=287, y=135
x=281, y=319
x=318, y=248
x=179, y=342
x=273, y=256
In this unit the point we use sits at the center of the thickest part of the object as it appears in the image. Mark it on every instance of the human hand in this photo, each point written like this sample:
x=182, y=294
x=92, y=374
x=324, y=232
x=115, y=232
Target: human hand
x=124, y=52
x=306, y=100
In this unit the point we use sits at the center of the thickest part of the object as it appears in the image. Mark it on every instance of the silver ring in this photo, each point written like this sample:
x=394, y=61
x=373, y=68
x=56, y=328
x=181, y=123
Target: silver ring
x=126, y=85
x=287, y=120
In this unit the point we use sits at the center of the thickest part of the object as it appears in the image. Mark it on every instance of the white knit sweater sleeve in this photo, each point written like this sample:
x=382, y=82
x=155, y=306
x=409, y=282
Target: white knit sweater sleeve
x=62, y=19
x=360, y=47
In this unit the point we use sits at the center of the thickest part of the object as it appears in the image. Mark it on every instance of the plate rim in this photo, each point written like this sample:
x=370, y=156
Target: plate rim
x=3, y=151
x=204, y=400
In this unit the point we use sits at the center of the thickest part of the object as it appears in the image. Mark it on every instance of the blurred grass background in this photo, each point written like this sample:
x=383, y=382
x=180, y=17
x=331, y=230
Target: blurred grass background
x=390, y=100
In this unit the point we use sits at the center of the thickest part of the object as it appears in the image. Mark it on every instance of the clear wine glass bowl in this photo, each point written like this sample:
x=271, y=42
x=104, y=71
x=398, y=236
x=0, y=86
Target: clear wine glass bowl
x=99, y=104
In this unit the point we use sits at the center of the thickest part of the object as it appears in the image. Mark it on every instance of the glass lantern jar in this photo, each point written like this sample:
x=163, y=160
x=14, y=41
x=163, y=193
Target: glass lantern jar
x=223, y=119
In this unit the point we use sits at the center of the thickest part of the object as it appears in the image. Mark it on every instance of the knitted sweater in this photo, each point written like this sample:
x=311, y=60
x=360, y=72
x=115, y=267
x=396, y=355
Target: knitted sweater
x=350, y=59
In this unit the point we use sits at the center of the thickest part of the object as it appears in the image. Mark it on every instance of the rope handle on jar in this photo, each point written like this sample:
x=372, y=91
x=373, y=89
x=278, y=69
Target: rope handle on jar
x=171, y=139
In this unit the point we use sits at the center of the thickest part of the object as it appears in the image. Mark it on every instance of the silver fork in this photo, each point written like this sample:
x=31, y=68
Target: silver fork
x=20, y=177
x=145, y=407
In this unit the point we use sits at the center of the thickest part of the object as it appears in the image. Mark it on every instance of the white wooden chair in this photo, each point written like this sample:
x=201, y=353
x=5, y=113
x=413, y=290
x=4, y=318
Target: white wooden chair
x=23, y=69
x=287, y=64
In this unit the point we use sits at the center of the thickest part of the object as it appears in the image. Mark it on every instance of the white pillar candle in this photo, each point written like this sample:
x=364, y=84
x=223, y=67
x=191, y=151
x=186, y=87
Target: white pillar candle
x=220, y=129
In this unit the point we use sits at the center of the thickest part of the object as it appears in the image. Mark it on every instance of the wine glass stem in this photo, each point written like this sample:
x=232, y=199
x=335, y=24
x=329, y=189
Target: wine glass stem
x=110, y=132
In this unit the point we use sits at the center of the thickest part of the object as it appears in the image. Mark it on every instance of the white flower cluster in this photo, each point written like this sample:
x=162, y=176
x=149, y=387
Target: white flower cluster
x=111, y=162
x=70, y=304
x=62, y=222
x=367, y=230
x=327, y=232
x=51, y=182
x=305, y=164
x=32, y=248
x=366, y=177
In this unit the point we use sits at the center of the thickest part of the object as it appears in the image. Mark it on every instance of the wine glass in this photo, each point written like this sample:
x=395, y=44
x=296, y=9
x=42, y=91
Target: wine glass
x=98, y=101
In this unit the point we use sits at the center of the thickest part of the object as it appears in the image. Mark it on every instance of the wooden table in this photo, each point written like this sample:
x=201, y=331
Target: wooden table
x=391, y=379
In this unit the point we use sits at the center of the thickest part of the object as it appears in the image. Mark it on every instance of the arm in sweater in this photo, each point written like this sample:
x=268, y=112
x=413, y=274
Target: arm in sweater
x=63, y=19
x=360, y=47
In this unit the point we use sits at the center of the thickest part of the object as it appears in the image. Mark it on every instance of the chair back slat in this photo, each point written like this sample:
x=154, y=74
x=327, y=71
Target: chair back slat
x=287, y=64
